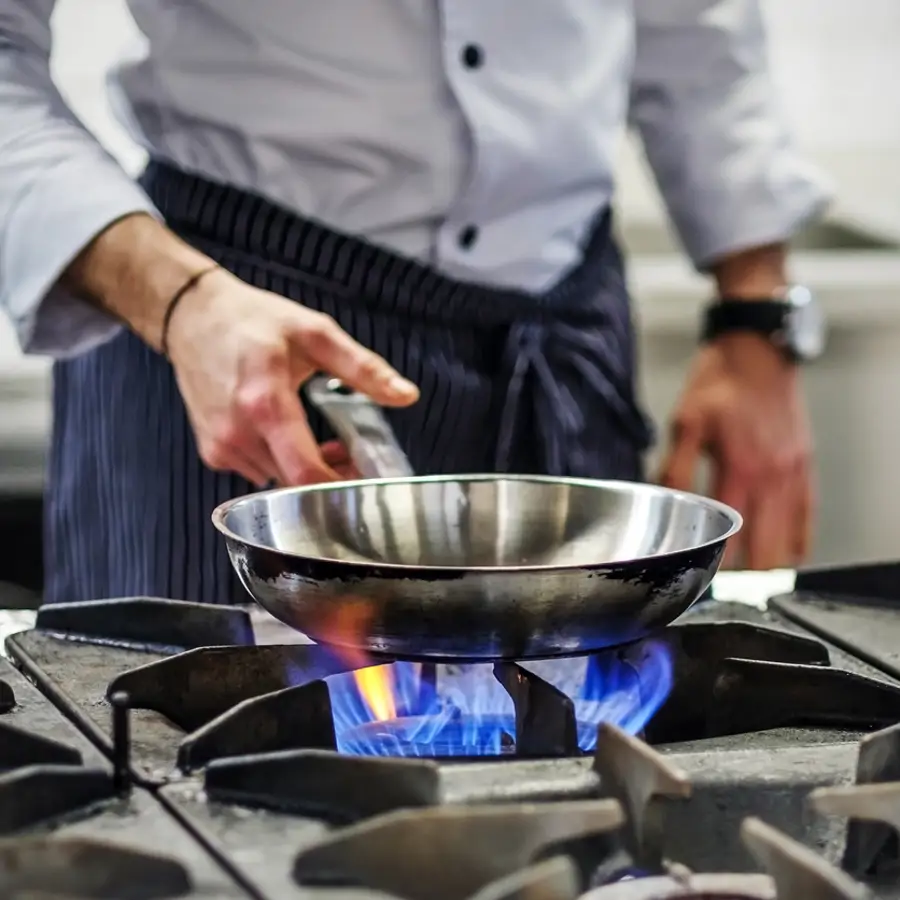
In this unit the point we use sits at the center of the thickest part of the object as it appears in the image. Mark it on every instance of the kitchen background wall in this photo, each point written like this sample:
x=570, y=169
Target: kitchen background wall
x=838, y=71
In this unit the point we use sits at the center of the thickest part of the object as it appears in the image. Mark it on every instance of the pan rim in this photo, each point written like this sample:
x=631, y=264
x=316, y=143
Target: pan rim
x=736, y=520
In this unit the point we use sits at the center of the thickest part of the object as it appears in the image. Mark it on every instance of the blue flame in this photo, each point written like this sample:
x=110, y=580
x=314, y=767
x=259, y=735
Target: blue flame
x=624, y=688
x=462, y=710
x=465, y=712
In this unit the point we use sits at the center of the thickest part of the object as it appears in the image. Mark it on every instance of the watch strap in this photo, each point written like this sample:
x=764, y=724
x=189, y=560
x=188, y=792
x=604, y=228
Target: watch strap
x=764, y=317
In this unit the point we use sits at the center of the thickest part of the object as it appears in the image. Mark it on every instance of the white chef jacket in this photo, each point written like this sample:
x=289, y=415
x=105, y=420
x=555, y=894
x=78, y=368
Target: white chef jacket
x=407, y=122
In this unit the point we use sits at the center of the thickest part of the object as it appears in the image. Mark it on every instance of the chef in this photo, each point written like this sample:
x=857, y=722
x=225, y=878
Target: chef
x=414, y=196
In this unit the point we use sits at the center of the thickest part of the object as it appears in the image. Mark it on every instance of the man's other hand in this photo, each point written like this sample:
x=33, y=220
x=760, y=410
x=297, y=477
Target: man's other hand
x=742, y=407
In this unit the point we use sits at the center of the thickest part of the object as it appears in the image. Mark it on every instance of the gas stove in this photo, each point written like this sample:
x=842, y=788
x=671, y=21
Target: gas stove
x=152, y=749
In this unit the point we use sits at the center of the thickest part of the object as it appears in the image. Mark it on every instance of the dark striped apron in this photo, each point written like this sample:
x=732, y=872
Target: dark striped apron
x=510, y=382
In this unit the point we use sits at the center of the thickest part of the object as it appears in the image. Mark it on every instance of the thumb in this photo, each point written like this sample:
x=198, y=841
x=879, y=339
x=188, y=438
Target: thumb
x=679, y=466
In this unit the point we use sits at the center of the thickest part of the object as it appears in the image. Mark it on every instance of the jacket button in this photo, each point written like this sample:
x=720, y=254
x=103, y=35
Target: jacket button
x=468, y=236
x=472, y=56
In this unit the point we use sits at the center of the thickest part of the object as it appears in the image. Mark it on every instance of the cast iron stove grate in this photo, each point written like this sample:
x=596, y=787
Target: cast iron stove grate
x=856, y=608
x=727, y=678
x=607, y=848
x=724, y=678
x=72, y=826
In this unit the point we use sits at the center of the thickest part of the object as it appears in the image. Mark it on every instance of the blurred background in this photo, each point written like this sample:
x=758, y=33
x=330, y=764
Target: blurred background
x=838, y=70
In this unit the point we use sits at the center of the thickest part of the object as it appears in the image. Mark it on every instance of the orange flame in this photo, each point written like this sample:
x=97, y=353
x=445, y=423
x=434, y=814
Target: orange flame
x=343, y=630
x=376, y=685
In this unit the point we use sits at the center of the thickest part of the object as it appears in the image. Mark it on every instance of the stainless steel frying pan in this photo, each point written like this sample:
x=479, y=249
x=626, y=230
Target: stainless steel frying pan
x=469, y=566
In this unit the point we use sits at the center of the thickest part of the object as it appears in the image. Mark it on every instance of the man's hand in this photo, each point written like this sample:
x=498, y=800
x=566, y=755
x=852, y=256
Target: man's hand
x=240, y=354
x=742, y=406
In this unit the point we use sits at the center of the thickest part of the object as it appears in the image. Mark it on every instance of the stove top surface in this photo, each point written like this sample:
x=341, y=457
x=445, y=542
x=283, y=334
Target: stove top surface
x=212, y=734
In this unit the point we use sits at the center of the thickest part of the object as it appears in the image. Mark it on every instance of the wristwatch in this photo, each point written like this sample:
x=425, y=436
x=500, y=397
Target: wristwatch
x=792, y=320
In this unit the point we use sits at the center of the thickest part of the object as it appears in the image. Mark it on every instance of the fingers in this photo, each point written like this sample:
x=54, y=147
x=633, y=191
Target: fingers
x=778, y=510
x=293, y=446
x=269, y=439
x=330, y=349
x=679, y=466
x=253, y=458
x=334, y=453
x=337, y=457
x=347, y=472
x=243, y=465
x=269, y=407
x=806, y=516
x=258, y=468
x=235, y=449
x=771, y=525
x=254, y=462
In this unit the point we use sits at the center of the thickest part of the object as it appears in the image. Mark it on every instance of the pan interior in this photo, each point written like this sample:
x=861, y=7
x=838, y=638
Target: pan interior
x=478, y=522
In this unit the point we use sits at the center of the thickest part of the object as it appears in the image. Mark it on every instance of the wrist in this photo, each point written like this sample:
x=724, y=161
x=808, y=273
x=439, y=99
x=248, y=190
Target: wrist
x=132, y=270
x=790, y=321
x=752, y=274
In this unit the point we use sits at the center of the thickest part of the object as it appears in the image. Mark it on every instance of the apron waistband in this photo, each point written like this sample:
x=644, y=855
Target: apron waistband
x=236, y=224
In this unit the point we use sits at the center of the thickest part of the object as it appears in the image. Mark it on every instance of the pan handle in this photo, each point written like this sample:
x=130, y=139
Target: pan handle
x=362, y=426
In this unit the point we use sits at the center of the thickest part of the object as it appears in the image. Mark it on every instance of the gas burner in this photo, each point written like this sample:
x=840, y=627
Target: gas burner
x=697, y=680
x=450, y=735
x=694, y=681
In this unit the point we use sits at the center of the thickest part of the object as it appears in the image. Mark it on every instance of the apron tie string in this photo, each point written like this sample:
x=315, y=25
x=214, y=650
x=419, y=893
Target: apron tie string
x=544, y=358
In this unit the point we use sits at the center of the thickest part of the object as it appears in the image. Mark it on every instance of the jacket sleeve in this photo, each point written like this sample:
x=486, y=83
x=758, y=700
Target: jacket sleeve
x=705, y=107
x=58, y=190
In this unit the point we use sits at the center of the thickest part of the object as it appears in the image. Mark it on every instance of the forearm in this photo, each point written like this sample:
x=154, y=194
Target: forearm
x=132, y=270
x=705, y=105
x=753, y=274
x=58, y=190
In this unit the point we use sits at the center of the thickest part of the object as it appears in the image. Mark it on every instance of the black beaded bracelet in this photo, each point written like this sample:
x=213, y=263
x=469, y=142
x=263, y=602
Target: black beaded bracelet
x=176, y=299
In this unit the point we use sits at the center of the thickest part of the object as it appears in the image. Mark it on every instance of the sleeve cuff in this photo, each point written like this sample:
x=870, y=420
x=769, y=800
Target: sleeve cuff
x=48, y=227
x=739, y=214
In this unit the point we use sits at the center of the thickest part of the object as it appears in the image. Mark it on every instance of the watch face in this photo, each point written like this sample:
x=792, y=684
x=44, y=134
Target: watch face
x=805, y=324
